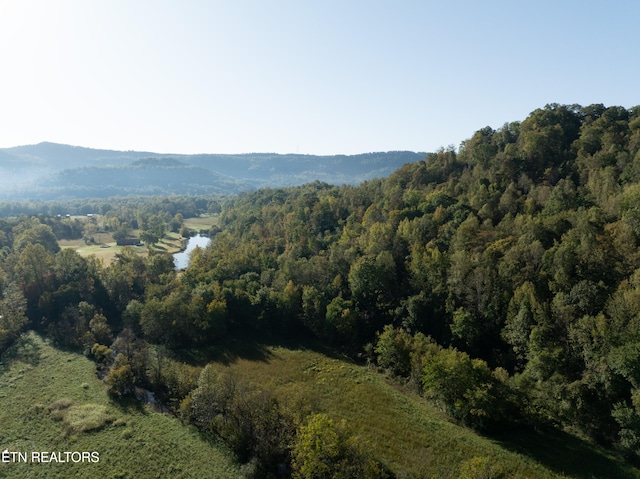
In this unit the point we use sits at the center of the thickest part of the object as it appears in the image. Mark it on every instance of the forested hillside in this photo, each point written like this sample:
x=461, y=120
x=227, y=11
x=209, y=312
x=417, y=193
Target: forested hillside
x=150, y=176
x=500, y=281
x=520, y=251
x=50, y=171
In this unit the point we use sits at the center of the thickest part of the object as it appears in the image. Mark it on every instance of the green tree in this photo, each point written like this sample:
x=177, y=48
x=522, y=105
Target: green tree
x=102, y=355
x=524, y=313
x=465, y=387
x=341, y=323
x=546, y=137
x=393, y=350
x=323, y=449
x=120, y=380
x=100, y=329
x=125, y=278
x=123, y=232
x=156, y=321
x=176, y=222
x=628, y=419
x=34, y=265
x=12, y=314
x=69, y=266
x=250, y=422
x=38, y=234
x=155, y=229
x=313, y=309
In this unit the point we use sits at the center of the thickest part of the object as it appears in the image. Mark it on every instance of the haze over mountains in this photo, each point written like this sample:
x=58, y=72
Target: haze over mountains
x=53, y=171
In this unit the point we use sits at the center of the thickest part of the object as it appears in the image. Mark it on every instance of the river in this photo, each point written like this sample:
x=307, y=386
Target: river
x=181, y=260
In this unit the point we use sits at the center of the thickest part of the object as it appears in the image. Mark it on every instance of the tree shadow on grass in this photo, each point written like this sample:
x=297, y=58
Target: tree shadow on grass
x=227, y=351
x=251, y=346
x=129, y=404
x=566, y=454
x=25, y=348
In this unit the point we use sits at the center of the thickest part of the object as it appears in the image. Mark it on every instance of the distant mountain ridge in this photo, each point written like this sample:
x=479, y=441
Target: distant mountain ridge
x=54, y=171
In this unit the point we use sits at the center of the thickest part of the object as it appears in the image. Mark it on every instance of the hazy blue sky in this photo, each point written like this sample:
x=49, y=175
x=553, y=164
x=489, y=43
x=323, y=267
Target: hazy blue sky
x=318, y=77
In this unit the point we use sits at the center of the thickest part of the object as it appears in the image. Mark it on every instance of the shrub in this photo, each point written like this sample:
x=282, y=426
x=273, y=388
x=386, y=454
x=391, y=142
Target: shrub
x=393, y=350
x=402, y=353
x=102, y=354
x=120, y=381
x=250, y=422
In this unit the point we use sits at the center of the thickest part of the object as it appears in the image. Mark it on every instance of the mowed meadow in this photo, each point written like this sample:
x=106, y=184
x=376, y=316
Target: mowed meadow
x=106, y=249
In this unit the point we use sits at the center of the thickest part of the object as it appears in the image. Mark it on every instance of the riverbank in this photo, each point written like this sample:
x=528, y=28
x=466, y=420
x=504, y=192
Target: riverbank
x=181, y=259
x=106, y=248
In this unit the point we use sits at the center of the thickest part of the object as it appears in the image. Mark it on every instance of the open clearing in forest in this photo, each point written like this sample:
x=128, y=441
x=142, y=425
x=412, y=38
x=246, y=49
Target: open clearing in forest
x=405, y=431
x=106, y=247
x=107, y=252
x=202, y=222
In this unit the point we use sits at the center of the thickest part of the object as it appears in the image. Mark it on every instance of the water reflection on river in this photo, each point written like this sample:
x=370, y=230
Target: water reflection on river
x=181, y=260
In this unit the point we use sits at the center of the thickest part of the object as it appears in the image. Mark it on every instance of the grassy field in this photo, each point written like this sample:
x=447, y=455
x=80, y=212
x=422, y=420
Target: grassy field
x=171, y=243
x=105, y=254
x=407, y=433
x=203, y=222
x=51, y=400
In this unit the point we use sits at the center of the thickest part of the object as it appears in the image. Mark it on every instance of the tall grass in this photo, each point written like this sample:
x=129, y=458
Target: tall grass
x=405, y=432
x=51, y=400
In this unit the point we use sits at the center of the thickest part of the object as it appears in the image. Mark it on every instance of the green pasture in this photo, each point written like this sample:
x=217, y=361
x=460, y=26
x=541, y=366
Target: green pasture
x=106, y=248
x=202, y=222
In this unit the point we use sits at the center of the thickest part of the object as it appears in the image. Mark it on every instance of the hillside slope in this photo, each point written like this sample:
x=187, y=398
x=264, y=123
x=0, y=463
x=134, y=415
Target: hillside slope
x=52, y=171
x=405, y=432
x=401, y=430
x=48, y=397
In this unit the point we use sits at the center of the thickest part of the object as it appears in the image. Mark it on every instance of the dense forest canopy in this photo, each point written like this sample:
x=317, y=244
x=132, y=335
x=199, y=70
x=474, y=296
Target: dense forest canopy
x=501, y=280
